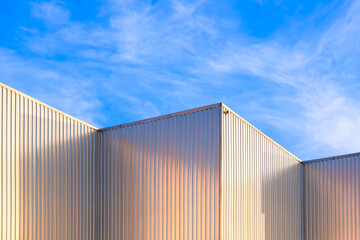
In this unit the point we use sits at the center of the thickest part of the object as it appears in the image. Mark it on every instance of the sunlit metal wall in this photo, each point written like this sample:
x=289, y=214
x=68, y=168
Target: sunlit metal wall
x=332, y=198
x=200, y=174
x=160, y=178
x=46, y=171
x=261, y=185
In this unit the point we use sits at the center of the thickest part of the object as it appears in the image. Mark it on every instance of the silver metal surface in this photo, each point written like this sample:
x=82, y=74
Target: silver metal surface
x=227, y=109
x=204, y=173
x=332, y=198
x=160, y=179
x=261, y=185
x=46, y=171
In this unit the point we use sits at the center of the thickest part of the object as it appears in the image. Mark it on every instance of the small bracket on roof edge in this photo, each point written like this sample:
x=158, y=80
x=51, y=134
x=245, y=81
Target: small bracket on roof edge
x=226, y=111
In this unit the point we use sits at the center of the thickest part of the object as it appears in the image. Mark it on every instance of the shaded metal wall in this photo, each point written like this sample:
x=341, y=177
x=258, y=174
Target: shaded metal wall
x=160, y=178
x=46, y=171
x=332, y=198
x=261, y=185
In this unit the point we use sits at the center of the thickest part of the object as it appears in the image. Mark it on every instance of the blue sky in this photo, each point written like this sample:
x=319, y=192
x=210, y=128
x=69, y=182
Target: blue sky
x=290, y=68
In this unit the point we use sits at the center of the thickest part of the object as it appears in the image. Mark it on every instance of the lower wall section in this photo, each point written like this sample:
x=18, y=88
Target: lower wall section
x=160, y=180
x=332, y=199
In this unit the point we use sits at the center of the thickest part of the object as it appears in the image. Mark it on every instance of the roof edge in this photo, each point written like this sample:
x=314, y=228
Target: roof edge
x=45, y=105
x=161, y=117
x=263, y=134
x=331, y=158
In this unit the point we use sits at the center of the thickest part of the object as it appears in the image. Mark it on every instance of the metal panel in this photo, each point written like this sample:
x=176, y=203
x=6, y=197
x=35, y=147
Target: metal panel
x=332, y=198
x=160, y=178
x=261, y=184
x=46, y=171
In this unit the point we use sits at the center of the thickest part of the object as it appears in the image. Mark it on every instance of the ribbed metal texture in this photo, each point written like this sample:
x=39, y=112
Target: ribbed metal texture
x=261, y=188
x=332, y=199
x=46, y=172
x=160, y=179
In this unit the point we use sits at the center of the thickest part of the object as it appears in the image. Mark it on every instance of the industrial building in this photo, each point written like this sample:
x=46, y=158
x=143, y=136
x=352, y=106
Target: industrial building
x=204, y=173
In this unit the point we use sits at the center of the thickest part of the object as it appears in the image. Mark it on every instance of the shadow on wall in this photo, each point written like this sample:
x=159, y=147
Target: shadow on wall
x=261, y=185
x=282, y=212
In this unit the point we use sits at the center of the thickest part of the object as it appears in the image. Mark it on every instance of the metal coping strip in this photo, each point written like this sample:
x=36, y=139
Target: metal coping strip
x=162, y=117
x=45, y=105
x=242, y=119
x=331, y=158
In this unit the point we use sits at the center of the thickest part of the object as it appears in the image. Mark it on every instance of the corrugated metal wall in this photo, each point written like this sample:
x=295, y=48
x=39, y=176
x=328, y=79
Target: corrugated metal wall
x=46, y=171
x=332, y=198
x=200, y=174
x=261, y=185
x=160, y=179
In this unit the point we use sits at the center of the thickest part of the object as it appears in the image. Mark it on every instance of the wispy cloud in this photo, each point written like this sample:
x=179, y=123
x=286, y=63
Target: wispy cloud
x=62, y=87
x=318, y=77
x=146, y=59
x=51, y=12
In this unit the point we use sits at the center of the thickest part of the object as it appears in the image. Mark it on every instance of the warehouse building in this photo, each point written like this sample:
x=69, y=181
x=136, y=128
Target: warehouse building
x=204, y=173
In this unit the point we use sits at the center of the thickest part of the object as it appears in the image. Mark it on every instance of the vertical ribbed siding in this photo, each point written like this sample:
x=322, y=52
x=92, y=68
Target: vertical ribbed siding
x=199, y=175
x=261, y=185
x=332, y=199
x=46, y=172
x=160, y=179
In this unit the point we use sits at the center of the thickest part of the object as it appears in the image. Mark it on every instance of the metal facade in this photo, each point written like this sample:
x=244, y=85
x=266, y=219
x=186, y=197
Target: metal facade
x=204, y=173
x=160, y=178
x=261, y=185
x=46, y=171
x=332, y=198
